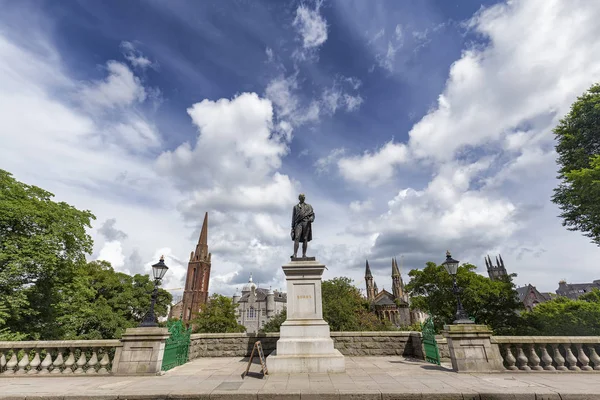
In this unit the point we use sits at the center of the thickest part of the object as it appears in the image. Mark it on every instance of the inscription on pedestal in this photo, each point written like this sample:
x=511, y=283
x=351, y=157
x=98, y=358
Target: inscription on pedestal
x=305, y=306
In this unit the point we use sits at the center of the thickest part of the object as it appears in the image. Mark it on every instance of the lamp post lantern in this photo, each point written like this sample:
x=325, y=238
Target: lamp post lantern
x=451, y=266
x=158, y=271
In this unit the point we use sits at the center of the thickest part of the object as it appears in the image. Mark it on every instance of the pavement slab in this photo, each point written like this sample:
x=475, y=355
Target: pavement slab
x=366, y=378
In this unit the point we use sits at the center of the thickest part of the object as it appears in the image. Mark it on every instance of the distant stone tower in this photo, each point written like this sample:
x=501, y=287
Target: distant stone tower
x=198, y=276
x=397, y=284
x=375, y=288
x=270, y=304
x=369, y=280
x=495, y=272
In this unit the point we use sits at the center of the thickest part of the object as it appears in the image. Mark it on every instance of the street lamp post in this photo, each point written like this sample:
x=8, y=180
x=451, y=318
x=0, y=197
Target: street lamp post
x=451, y=266
x=158, y=271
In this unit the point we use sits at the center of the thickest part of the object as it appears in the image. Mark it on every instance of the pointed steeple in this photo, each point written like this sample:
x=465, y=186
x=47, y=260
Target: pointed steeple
x=395, y=271
x=501, y=261
x=375, y=287
x=202, y=246
x=368, y=271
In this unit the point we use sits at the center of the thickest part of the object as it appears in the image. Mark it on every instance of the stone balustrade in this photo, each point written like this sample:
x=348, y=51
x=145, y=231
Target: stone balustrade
x=549, y=353
x=64, y=357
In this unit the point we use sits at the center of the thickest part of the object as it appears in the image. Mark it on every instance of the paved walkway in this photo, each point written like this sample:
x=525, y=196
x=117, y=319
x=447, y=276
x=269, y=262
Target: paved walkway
x=365, y=378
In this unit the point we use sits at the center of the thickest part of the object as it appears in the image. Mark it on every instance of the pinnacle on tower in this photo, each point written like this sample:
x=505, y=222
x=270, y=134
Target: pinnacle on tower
x=202, y=246
x=375, y=286
x=395, y=271
x=501, y=261
x=368, y=271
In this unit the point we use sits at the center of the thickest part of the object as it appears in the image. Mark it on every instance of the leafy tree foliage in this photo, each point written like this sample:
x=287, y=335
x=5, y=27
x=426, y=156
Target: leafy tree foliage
x=578, y=148
x=565, y=317
x=345, y=309
x=101, y=303
x=217, y=316
x=47, y=289
x=42, y=244
x=494, y=303
x=274, y=325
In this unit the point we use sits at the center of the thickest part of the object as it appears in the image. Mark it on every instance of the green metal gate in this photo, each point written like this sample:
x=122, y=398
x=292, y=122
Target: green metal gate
x=176, y=346
x=432, y=353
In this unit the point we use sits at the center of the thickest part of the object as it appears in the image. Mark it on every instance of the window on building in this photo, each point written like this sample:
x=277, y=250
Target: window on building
x=194, y=274
x=251, y=313
x=264, y=312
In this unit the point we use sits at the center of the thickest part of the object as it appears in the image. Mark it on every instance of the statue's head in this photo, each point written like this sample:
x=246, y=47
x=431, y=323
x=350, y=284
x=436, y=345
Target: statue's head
x=301, y=197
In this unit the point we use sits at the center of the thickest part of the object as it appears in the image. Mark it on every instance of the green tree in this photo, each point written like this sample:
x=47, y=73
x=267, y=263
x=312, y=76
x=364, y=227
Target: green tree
x=592, y=297
x=345, y=309
x=217, y=316
x=274, y=324
x=578, y=148
x=42, y=244
x=564, y=317
x=494, y=303
x=100, y=303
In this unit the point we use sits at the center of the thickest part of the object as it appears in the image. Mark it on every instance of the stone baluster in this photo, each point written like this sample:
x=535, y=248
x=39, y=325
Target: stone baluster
x=92, y=363
x=570, y=358
x=510, y=359
x=594, y=358
x=534, y=360
x=12, y=363
x=58, y=361
x=34, y=364
x=47, y=363
x=582, y=357
x=546, y=359
x=81, y=361
x=104, y=362
x=2, y=361
x=23, y=362
x=69, y=362
x=522, y=359
x=558, y=358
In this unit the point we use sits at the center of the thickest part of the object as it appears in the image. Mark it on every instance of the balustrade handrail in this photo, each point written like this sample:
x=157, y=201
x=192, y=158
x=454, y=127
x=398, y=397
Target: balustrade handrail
x=545, y=339
x=36, y=344
x=62, y=357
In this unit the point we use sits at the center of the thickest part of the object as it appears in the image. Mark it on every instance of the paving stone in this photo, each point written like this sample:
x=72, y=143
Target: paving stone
x=319, y=395
x=238, y=395
x=360, y=395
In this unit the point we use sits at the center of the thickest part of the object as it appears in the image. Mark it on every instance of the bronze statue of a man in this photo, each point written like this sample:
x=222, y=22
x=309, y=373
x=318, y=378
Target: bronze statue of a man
x=302, y=219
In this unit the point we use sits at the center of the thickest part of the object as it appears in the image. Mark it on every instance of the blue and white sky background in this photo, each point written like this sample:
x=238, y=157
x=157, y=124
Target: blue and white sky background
x=412, y=126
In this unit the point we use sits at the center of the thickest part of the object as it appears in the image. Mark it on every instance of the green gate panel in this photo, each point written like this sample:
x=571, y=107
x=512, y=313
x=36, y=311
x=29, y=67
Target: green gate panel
x=432, y=352
x=176, y=346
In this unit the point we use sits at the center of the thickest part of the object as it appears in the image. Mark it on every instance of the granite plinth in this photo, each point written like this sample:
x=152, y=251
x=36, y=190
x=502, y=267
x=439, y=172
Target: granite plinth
x=303, y=258
x=305, y=344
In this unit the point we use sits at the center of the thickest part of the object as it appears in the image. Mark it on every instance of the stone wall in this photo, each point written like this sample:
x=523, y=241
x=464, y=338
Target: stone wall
x=348, y=343
x=443, y=348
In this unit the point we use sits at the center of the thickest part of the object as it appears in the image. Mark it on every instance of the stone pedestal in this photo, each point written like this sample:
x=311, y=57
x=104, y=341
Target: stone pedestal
x=471, y=349
x=142, y=351
x=304, y=343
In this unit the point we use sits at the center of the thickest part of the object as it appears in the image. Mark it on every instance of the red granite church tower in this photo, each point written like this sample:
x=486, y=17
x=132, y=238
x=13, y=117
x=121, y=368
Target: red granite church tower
x=195, y=294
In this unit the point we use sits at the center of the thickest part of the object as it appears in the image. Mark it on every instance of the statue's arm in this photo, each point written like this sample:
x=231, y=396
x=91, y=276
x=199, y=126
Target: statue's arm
x=312, y=217
x=293, y=217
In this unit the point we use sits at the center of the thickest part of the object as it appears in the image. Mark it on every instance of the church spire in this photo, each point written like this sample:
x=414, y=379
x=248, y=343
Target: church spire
x=202, y=246
x=369, y=281
x=395, y=271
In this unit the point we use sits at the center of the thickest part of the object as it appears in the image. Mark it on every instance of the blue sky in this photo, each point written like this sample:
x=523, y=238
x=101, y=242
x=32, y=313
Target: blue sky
x=412, y=127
